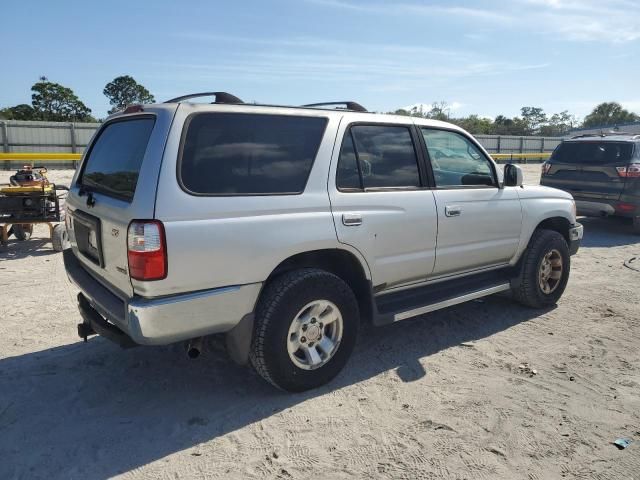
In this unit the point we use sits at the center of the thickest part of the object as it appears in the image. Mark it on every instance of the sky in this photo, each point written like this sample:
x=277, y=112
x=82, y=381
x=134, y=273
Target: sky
x=481, y=57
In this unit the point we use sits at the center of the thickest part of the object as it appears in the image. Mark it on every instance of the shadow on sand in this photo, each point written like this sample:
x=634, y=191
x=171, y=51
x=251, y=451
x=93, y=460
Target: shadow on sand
x=36, y=247
x=607, y=232
x=101, y=411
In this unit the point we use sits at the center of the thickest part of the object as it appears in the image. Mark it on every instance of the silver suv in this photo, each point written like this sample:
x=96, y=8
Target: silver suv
x=285, y=228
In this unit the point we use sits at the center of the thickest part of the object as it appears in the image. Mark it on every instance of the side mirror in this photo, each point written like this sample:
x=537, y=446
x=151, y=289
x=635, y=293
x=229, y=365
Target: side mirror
x=513, y=176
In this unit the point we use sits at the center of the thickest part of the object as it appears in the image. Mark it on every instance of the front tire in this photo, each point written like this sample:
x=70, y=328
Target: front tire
x=305, y=329
x=545, y=270
x=59, y=238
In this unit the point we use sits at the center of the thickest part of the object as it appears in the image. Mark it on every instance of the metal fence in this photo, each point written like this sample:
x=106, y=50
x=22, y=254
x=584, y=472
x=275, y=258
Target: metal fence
x=46, y=137
x=62, y=137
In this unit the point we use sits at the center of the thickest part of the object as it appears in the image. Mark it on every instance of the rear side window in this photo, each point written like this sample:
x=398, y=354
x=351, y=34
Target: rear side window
x=114, y=160
x=244, y=154
x=377, y=156
x=593, y=153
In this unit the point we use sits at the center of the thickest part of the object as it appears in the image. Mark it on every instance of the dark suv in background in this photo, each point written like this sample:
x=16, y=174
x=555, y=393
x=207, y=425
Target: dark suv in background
x=601, y=171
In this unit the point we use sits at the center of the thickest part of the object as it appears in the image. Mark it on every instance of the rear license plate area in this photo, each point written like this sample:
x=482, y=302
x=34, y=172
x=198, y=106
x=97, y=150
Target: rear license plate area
x=88, y=236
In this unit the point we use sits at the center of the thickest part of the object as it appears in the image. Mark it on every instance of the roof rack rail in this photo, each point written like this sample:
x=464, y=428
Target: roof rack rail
x=603, y=134
x=221, y=97
x=354, y=106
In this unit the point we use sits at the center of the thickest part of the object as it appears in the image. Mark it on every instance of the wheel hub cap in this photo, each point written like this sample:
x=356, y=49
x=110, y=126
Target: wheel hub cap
x=315, y=334
x=550, y=271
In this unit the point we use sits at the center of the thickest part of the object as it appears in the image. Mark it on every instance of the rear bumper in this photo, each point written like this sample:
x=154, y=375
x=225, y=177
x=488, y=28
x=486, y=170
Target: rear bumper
x=575, y=238
x=604, y=208
x=164, y=320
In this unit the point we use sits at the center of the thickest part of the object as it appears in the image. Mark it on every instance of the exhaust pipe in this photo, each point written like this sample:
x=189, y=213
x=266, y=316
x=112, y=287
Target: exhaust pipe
x=194, y=347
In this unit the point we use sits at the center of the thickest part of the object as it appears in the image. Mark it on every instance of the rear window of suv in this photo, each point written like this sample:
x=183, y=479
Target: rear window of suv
x=248, y=154
x=113, y=162
x=595, y=153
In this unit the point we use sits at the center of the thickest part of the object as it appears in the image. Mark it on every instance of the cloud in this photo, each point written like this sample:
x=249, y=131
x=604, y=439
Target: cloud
x=611, y=21
x=415, y=8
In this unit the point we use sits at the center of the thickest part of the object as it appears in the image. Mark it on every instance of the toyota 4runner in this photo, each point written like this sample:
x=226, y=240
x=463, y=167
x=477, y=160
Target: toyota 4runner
x=284, y=228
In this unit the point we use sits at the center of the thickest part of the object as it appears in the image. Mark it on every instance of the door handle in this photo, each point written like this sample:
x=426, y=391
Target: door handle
x=453, y=210
x=351, y=219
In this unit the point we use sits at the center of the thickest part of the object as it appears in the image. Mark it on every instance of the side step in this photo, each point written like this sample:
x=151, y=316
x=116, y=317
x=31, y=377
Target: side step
x=393, y=307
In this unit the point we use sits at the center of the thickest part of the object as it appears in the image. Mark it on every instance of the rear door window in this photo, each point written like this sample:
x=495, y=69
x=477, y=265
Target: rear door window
x=593, y=153
x=113, y=162
x=377, y=156
x=248, y=154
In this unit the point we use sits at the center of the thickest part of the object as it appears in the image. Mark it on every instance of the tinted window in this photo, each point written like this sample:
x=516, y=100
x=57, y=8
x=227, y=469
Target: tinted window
x=114, y=161
x=386, y=156
x=598, y=153
x=347, y=175
x=229, y=153
x=456, y=161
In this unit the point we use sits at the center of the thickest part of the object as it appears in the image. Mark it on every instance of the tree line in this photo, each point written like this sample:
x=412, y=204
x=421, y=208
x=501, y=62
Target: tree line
x=56, y=103
x=532, y=120
x=52, y=102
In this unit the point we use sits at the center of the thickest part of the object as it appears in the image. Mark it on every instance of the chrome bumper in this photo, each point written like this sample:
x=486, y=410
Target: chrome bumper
x=165, y=320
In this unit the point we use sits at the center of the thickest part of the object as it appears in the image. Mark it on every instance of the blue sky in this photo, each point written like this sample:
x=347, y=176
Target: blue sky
x=486, y=57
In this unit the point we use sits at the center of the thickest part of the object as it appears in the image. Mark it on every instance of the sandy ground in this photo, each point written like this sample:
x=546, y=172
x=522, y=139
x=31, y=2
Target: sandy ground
x=437, y=397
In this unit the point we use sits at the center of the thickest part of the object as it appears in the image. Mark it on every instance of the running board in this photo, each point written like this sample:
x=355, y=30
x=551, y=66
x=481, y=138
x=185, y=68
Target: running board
x=392, y=306
x=450, y=302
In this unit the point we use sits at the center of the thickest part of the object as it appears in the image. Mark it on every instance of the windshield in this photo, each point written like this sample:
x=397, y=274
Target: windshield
x=114, y=160
x=594, y=153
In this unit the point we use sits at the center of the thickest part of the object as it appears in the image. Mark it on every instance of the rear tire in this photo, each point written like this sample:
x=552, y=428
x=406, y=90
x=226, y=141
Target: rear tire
x=636, y=225
x=22, y=232
x=59, y=238
x=300, y=299
x=545, y=270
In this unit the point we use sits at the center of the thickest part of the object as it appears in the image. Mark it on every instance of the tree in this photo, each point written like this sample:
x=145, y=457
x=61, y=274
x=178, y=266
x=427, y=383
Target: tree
x=534, y=118
x=507, y=126
x=475, y=124
x=56, y=103
x=559, y=124
x=439, y=111
x=19, y=112
x=609, y=114
x=123, y=91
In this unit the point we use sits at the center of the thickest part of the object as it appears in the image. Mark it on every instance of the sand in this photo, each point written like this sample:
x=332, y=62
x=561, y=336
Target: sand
x=443, y=396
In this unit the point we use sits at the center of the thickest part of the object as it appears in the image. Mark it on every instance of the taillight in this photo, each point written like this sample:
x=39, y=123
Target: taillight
x=546, y=166
x=630, y=171
x=147, y=250
x=624, y=207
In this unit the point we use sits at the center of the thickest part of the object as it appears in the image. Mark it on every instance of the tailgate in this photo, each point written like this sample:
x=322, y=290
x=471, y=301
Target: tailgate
x=589, y=169
x=115, y=184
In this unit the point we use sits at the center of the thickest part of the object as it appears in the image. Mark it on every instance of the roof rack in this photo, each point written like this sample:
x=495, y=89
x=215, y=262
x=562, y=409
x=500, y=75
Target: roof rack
x=221, y=97
x=604, y=134
x=354, y=106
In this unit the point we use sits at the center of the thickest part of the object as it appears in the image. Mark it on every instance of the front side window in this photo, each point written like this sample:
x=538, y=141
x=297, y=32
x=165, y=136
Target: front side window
x=377, y=156
x=244, y=154
x=456, y=161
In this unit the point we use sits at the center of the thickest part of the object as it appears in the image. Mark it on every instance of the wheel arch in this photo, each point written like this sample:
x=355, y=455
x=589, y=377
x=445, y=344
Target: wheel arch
x=558, y=224
x=340, y=262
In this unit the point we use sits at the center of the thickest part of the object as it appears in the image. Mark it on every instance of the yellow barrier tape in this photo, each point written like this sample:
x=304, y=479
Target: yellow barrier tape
x=521, y=155
x=40, y=156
